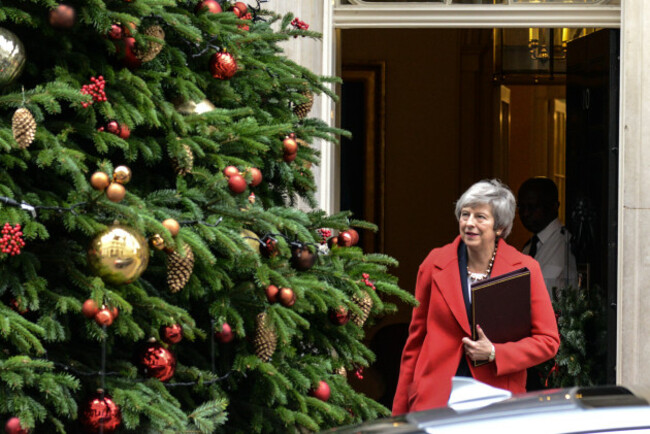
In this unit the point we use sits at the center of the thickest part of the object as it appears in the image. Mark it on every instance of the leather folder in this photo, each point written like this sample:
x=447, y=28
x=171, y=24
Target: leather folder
x=501, y=306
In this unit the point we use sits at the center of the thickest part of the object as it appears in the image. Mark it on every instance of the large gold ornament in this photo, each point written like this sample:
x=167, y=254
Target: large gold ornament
x=194, y=108
x=118, y=255
x=251, y=239
x=12, y=56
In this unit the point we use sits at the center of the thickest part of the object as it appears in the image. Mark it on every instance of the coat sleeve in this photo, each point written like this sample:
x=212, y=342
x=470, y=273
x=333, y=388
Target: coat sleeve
x=417, y=333
x=544, y=341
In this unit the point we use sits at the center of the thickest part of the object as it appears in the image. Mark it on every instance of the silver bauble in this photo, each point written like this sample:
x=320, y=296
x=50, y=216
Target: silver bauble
x=12, y=56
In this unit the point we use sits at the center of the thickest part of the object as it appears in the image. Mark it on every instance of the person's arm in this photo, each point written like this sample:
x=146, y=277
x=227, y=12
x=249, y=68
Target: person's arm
x=544, y=340
x=417, y=333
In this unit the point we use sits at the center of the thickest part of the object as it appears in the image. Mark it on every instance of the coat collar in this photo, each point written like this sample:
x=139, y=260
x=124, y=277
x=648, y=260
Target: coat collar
x=447, y=275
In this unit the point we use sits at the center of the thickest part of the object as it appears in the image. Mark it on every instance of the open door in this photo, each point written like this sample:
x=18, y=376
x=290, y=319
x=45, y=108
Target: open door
x=592, y=167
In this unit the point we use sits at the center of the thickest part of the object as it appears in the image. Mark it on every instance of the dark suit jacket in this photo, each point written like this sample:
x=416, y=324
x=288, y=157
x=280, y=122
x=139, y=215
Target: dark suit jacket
x=433, y=349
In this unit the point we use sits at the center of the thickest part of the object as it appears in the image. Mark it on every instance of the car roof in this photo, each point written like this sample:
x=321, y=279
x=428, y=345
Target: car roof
x=578, y=409
x=574, y=410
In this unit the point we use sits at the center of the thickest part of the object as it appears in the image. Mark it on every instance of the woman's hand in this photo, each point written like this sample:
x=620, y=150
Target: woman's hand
x=479, y=349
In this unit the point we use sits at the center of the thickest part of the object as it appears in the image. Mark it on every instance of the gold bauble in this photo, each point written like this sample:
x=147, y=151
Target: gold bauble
x=118, y=255
x=122, y=174
x=252, y=239
x=100, y=181
x=115, y=192
x=194, y=108
x=172, y=226
x=157, y=241
x=12, y=56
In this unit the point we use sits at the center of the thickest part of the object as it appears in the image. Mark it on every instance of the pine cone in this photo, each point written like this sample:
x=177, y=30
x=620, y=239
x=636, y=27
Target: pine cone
x=301, y=110
x=184, y=165
x=153, y=48
x=365, y=304
x=23, y=126
x=265, y=340
x=179, y=269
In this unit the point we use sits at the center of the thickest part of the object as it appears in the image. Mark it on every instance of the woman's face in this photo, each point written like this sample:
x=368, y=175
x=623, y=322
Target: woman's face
x=476, y=226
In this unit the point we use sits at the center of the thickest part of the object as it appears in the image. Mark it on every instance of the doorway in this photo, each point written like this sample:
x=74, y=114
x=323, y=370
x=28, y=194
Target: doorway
x=448, y=123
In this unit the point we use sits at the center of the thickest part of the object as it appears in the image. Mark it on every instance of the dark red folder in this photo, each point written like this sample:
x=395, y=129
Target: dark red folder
x=501, y=306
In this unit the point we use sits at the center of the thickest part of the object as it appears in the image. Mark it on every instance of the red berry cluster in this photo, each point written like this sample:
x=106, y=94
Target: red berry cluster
x=366, y=280
x=247, y=16
x=12, y=239
x=324, y=234
x=299, y=24
x=95, y=90
x=359, y=373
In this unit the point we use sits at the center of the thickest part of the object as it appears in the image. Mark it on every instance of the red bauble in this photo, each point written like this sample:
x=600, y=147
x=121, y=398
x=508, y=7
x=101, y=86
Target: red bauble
x=240, y=9
x=302, y=259
x=115, y=32
x=225, y=335
x=289, y=157
x=62, y=17
x=15, y=305
x=290, y=146
x=126, y=48
x=237, y=184
x=287, y=297
x=269, y=247
x=104, y=317
x=272, y=292
x=355, y=236
x=230, y=171
x=13, y=427
x=124, y=132
x=172, y=334
x=115, y=312
x=339, y=316
x=222, y=65
x=345, y=239
x=100, y=414
x=211, y=6
x=90, y=308
x=256, y=176
x=332, y=241
x=113, y=127
x=156, y=361
x=322, y=392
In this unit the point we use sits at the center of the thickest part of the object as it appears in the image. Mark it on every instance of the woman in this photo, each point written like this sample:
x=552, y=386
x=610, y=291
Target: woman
x=439, y=345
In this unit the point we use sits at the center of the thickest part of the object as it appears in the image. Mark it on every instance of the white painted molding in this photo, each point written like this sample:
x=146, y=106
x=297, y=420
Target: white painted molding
x=328, y=183
x=439, y=15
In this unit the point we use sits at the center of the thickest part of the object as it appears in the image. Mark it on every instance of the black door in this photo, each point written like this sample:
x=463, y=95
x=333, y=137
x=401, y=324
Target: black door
x=592, y=167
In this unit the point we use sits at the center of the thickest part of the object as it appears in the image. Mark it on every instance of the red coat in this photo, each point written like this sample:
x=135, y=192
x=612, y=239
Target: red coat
x=433, y=349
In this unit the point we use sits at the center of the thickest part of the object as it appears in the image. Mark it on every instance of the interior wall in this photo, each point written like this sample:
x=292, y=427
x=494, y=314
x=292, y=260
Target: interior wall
x=530, y=145
x=421, y=136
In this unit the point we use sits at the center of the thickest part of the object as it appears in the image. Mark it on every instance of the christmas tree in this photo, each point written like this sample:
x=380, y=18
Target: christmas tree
x=156, y=273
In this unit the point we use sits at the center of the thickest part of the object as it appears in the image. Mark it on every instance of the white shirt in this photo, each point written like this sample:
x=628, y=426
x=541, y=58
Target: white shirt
x=555, y=258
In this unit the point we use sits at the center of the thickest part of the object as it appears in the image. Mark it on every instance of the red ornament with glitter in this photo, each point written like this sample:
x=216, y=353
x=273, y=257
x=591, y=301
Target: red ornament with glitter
x=223, y=65
x=100, y=414
x=95, y=89
x=157, y=361
x=12, y=239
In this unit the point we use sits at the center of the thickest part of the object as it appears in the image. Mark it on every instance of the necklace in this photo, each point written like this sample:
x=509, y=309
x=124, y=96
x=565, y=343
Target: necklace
x=482, y=276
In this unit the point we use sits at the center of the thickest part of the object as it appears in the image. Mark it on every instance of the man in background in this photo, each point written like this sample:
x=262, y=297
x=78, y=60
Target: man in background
x=538, y=210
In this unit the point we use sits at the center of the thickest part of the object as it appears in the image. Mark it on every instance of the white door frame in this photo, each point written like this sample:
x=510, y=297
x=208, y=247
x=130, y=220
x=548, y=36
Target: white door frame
x=633, y=17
